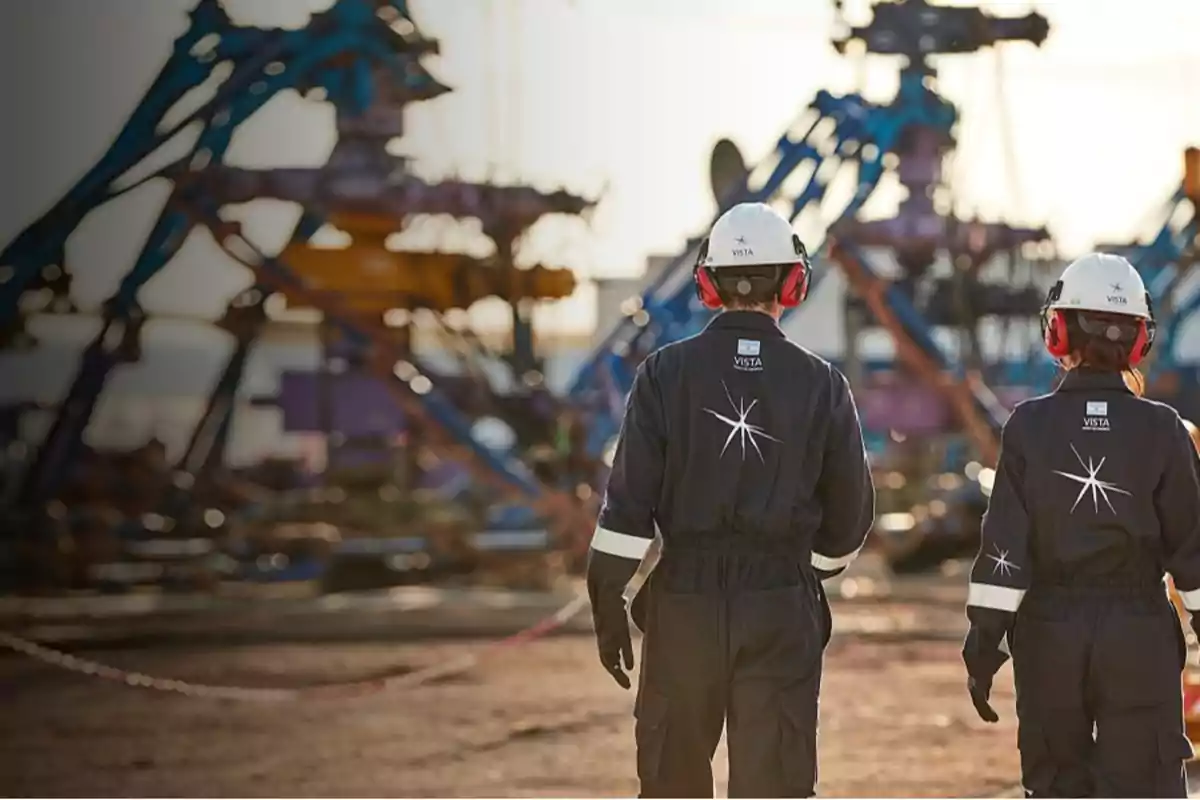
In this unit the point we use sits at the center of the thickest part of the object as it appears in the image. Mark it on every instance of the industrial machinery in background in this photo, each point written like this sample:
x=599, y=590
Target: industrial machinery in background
x=927, y=388
x=376, y=452
x=363, y=56
x=411, y=489
x=369, y=194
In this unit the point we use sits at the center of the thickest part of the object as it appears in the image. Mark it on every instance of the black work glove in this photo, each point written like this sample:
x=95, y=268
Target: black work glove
x=612, y=635
x=607, y=578
x=982, y=654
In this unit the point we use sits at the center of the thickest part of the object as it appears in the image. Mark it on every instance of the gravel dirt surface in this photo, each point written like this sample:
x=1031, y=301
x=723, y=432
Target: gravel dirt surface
x=538, y=720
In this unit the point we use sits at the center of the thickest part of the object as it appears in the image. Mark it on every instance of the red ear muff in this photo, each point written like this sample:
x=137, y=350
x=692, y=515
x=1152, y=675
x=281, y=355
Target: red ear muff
x=794, y=289
x=706, y=289
x=795, y=286
x=1144, y=341
x=1058, y=343
x=1054, y=325
x=1141, y=345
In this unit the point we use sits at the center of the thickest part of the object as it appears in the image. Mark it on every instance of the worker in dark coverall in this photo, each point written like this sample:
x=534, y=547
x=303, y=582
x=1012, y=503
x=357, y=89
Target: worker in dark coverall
x=1096, y=497
x=745, y=451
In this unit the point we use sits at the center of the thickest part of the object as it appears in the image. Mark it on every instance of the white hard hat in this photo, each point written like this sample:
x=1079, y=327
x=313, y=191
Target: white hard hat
x=1102, y=282
x=751, y=234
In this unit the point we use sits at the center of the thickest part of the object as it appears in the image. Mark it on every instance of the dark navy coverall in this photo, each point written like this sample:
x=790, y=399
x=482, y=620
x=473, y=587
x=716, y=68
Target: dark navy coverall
x=745, y=451
x=1096, y=496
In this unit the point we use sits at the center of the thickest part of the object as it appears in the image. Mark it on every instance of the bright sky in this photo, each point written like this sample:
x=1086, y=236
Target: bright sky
x=628, y=93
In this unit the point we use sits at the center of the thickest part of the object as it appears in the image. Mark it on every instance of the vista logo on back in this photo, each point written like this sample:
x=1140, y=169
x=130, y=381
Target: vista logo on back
x=1096, y=416
x=747, y=358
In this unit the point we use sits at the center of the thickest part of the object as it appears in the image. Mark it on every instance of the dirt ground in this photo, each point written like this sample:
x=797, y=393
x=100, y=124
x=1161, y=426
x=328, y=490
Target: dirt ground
x=539, y=720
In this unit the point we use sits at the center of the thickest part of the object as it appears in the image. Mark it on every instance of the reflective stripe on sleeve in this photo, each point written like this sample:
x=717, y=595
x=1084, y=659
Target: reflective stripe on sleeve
x=827, y=564
x=620, y=544
x=1001, y=598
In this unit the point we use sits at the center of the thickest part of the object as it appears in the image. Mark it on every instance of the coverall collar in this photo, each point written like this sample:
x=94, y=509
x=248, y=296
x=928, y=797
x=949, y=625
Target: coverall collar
x=1084, y=379
x=755, y=321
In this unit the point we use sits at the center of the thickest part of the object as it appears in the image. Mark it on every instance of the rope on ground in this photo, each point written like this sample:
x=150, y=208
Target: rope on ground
x=83, y=666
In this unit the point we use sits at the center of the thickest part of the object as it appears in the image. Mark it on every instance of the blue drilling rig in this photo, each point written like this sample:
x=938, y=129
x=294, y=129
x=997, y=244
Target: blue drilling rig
x=334, y=54
x=362, y=56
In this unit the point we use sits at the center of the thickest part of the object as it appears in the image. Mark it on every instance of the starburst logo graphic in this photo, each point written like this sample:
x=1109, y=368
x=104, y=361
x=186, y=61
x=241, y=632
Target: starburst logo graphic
x=739, y=427
x=1000, y=562
x=740, y=240
x=1092, y=483
x=1116, y=287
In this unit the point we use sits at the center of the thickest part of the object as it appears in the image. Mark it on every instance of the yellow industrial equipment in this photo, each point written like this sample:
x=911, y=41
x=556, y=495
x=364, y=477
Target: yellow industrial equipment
x=372, y=279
